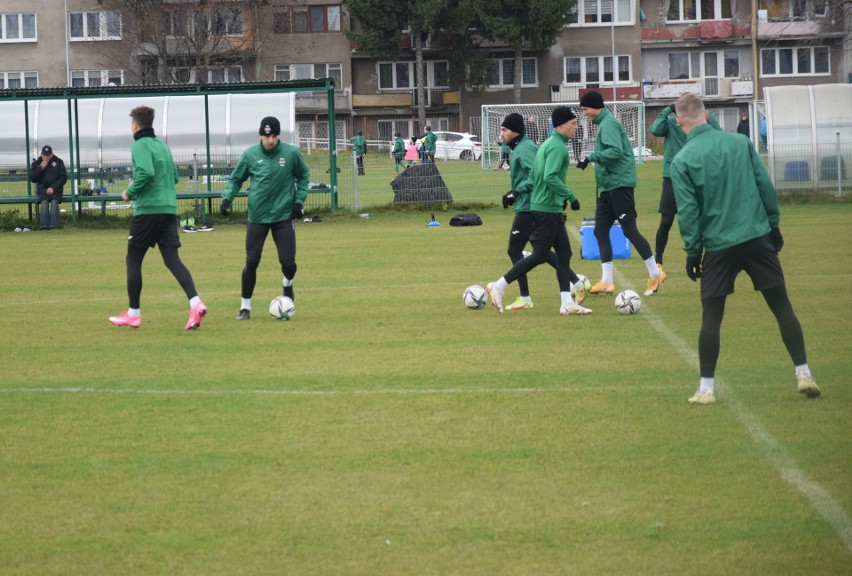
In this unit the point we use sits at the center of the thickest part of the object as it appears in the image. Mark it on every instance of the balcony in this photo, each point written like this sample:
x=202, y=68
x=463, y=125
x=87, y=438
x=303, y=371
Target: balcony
x=623, y=93
x=709, y=88
x=318, y=101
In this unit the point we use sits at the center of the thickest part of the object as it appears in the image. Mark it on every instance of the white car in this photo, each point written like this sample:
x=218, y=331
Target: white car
x=457, y=146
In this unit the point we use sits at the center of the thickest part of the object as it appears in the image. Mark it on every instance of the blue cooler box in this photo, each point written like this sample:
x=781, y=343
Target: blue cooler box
x=589, y=245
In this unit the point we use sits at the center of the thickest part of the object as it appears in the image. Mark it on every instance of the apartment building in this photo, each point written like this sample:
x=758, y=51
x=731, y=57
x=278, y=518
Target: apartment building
x=651, y=50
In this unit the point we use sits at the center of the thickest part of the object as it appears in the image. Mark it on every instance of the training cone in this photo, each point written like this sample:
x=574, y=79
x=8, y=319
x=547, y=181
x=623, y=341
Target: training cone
x=433, y=223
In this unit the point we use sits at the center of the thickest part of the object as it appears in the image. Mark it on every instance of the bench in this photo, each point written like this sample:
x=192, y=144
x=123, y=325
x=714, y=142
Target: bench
x=104, y=199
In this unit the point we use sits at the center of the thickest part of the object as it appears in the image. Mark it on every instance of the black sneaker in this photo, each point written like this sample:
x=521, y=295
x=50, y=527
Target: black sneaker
x=189, y=229
x=205, y=228
x=244, y=315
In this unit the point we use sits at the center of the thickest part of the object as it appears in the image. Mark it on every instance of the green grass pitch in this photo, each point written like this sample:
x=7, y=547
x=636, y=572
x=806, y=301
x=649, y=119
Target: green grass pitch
x=387, y=429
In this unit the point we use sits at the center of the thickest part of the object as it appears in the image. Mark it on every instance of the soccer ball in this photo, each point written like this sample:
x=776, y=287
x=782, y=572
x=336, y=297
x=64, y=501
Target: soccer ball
x=282, y=308
x=587, y=285
x=475, y=297
x=628, y=302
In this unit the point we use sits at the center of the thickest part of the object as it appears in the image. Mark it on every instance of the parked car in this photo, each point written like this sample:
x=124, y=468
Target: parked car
x=457, y=146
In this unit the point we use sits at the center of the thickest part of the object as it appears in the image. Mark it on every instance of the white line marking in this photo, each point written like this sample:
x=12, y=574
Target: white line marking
x=827, y=505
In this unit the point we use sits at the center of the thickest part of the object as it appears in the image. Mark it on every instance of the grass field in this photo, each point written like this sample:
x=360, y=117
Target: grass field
x=388, y=430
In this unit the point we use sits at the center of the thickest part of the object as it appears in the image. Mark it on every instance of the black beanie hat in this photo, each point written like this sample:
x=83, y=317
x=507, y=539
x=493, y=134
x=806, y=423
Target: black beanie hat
x=592, y=99
x=269, y=125
x=561, y=115
x=514, y=122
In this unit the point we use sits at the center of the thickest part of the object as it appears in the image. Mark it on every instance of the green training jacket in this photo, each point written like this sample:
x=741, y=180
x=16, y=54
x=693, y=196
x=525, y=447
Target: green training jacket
x=520, y=171
x=429, y=142
x=549, y=173
x=154, y=177
x=279, y=179
x=665, y=126
x=359, y=144
x=724, y=194
x=615, y=166
x=398, y=149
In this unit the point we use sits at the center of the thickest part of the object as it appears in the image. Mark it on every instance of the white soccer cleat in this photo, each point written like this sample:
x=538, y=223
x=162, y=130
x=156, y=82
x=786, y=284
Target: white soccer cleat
x=574, y=310
x=496, y=297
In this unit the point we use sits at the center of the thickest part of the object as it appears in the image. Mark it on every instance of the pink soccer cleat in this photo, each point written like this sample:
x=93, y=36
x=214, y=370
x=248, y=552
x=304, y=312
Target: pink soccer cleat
x=126, y=320
x=195, y=316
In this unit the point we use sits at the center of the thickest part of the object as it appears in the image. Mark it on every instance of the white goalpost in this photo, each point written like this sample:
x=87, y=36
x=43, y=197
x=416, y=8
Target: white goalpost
x=538, y=127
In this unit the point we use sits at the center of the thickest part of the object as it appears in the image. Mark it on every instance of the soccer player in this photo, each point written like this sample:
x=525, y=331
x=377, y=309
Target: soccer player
x=359, y=145
x=548, y=200
x=429, y=147
x=665, y=126
x=728, y=210
x=155, y=219
x=523, y=152
x=615, y=176
x=279, y=186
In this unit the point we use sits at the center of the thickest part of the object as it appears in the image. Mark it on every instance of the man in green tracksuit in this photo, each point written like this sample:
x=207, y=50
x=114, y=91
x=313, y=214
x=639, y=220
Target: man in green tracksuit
x=549, y=198
x=728, y=210
x=665, y=126
x=155, y=220
x=398, y=152
x=279, y=186
x=615, y=175
x=359, y=146
x=428, y=140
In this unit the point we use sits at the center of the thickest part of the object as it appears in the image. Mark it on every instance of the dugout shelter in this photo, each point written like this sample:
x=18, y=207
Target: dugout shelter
x=200, y=120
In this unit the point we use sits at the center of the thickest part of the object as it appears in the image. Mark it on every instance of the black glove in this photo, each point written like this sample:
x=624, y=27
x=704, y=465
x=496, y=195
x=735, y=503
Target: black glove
x=693, y=267
x=509, y=198
x=298, y=211
x=583, y=163
x=777, y=239
x=575, y=205
x=225, y=207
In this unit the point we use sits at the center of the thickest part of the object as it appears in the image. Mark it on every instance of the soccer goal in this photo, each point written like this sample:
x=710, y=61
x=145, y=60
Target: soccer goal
x=538, y=127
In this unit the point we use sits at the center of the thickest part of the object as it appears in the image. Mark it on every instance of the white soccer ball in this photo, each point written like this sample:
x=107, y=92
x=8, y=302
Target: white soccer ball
x=282, y=308
x=475, y=297
x=587, y=285
x=628, y=302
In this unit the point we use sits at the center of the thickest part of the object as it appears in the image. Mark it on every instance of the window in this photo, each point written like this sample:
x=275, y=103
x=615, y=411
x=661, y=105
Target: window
x=794, y=61
x=224, y=74
x=794, y=9
x=692, y=10
x=200, y=23
x=18, y=79
x=732, y=64
x=310, y=71
x=684, y=65
x=95, y=25
x=83, y=78
x=596, y=70
x=597, y=12
x=306, y=19
x=401, y=75
x=503, y=72
x=17, y=28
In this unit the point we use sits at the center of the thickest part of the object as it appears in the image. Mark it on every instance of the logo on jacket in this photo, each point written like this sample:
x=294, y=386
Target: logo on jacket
x=281, y=162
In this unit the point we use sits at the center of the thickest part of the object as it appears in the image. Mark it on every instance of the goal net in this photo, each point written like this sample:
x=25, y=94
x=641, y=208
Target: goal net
x=538, y=127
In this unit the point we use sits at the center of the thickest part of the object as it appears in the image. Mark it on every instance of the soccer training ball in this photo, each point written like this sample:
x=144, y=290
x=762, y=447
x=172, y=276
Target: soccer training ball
x=475, y=297
x=587, y=285
x=282, y=308
x=628, y=302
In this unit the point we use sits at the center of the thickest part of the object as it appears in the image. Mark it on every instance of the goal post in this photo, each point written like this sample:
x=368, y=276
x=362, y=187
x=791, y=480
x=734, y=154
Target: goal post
x=538, y=126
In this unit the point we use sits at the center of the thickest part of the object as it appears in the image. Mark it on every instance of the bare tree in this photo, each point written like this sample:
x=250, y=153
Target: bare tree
x=167, y=41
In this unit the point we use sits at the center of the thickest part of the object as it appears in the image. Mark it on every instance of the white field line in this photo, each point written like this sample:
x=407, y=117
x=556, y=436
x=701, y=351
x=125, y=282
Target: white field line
x=825, y=504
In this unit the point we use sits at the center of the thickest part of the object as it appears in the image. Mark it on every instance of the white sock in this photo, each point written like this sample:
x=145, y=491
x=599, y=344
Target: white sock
x=245, y=303
x=526, y=298
x=566, y=299
x=500, y=285
x=706, y=385
x=286, y=281
x=653, y=270
x=134, y=312
x=803, y=370
x=606, y=272
x=194, y=301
